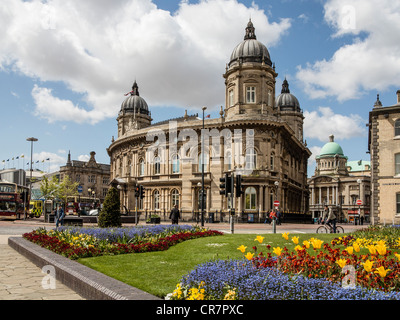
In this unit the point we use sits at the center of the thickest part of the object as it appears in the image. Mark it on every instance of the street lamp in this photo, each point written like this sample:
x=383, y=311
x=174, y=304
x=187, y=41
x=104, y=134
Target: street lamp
x=32, y=140
x=202, y=172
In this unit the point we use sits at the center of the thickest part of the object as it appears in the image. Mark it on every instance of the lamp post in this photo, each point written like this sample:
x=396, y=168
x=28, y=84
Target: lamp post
x=32, y=140
x=202, y=171
x=276, y=183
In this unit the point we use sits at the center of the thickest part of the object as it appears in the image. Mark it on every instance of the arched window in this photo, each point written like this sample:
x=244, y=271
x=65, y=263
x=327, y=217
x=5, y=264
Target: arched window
x=141, y=167
x=250, y=198
x=175, y=198
x=156, y=199
x=397, y=128
x=251, y=159
x=175, y=164
x=157, y=165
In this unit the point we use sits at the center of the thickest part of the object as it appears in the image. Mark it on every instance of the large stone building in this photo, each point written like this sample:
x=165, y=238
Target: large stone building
x=93, y=177
x=384, y=148
x=257, y=135
x=339, y=183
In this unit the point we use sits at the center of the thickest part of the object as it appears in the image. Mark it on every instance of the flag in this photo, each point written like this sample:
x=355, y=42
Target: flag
x=208, y=116
x=126, y=94
x=48, y=159
x=22, y=156
x=17, y=158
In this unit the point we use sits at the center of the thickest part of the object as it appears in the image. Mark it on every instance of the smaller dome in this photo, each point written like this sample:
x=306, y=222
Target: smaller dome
x=134, y=103
x=331, y=148
x=287, y=101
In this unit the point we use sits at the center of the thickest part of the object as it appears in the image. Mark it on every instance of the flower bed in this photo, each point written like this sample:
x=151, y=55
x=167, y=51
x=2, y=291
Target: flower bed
x=77, y=243
x=362, y=269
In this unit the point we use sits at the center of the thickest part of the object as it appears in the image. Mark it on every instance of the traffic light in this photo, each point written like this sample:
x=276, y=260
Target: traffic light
x=137, y=192
x=141, y=192
x=226, y=185
x=239, y=190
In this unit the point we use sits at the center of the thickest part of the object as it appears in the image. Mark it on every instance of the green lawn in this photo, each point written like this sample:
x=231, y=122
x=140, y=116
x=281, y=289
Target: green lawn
x=159, y=272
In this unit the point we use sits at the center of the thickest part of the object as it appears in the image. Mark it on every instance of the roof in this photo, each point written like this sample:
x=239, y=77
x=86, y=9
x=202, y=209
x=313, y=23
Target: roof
x=359, y=165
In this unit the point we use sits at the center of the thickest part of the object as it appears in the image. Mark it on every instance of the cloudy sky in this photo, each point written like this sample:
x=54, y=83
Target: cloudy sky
x=66, y=65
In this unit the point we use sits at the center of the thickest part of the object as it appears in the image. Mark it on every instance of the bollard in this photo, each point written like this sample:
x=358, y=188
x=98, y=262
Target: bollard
x=274, y=225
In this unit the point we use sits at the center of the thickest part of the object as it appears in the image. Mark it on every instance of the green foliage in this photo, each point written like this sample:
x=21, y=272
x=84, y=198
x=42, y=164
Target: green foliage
x=66, y=189
x=48, y=188
x=110, y=214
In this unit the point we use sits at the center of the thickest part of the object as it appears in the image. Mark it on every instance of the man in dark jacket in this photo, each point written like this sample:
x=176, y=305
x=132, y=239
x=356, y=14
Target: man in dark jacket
x=175, y=215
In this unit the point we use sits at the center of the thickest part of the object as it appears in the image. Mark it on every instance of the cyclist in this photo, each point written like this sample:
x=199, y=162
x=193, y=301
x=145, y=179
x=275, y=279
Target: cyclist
x=330, y=218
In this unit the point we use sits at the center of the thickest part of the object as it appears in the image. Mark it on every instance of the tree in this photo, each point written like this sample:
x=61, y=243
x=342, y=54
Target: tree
x=66, y=189
x=110, y=214
x=48, y=188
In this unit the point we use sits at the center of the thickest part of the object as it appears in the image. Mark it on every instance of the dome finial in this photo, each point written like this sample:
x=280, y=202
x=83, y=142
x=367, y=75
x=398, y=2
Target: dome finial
x=135, y=89
x=331, y=138
x=285, y=86
x=250, y=31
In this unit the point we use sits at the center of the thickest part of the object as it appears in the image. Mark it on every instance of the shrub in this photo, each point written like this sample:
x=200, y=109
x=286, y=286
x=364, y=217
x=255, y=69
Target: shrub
x=110, y=215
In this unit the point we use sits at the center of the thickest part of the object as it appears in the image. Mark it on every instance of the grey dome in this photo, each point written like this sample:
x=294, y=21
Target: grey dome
x=287, y=101
x=134, y=103
x=250, y=50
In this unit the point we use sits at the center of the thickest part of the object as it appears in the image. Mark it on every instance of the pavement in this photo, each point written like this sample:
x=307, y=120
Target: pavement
x=22, y=278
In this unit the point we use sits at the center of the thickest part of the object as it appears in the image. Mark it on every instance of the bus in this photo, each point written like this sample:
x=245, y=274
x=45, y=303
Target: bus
x=14, y=200
x=78, y=205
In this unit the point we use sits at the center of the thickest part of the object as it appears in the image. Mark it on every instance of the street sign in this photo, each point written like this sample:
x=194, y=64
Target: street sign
x=359, y=202
x=80, y=189
x=276, y=203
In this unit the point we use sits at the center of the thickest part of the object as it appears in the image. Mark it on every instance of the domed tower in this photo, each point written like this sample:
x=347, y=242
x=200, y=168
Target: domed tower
x=290, y=111
x=331, y=159
x=249, y=79
x=134, y=113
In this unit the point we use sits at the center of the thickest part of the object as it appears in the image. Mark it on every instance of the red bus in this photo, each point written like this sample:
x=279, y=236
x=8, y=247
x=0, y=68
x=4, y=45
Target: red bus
x=14, y=200
x=81, y=205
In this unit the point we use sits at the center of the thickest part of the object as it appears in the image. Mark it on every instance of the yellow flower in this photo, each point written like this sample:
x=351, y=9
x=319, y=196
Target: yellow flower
x=381, y=271
x=297, y=248
x=368, y=265
x=381, y=248
x=277, y=251
x=249, y=255
x=397, y=256
x=341, y=262
x=316, y=243
x=259, y=239
x=242, y=248
x=349, y=250
x=295, y=240
x=231, y=294
x=285, y=235
x=372, y=249
x=356, y=247
x=306, y=243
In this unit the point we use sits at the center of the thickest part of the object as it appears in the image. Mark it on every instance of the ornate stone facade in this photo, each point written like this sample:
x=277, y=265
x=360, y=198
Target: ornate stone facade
x=254, y=136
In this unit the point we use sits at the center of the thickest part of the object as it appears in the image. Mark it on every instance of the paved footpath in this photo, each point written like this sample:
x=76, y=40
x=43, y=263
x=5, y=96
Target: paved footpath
x=20, y=279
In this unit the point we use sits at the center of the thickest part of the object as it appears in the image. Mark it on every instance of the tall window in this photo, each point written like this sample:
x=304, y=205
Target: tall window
x=272, y=162
x=230, y=98
x=201, y=162
x=156, y=196
x=397, y=164
x=175, y=197
x=250, y=198
x=141, y=167
x=175, y=164
x=157, y=165
x=250, y=94
x=397, y=128
x=251, y=159
x=398, y=203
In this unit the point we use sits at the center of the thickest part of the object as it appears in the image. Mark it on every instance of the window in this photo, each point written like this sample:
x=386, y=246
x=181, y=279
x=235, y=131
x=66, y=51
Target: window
x=271, y=162
x=251, y=159
x=156, y=197
x=397, y=164
x=250, y=198
x=141, y=167
x=398, y=203
x=397, y=128
x=230, y=98
x=175, y=197
x=175, y=164
x=250, y=94
x=157, y=165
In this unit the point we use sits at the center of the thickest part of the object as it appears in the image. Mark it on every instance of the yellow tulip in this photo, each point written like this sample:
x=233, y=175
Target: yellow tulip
x=285, y=235
x=349, y=250
x=397, y=256
x=341, y=262
x=242, y=248
x=367, y=265
x=381, y=248
x=356, y=247
x=259, y=239
x=249, y=255
x=381, y=271
x=277, y=251
x=295, y=240
x=316, y=243
x=306, y=243
x=372, y=249
x=297, y=248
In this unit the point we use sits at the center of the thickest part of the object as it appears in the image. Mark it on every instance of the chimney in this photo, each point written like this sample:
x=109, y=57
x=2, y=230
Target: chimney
x=398, y=96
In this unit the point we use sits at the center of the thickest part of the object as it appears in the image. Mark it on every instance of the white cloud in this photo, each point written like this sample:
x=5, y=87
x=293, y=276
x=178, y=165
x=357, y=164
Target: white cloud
x=83, y=157
x=98, y=48
x=371, y=61
x=324, y=122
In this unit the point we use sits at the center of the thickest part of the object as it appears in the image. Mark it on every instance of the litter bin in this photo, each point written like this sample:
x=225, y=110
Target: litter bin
x=250, y=218
x=211, y=217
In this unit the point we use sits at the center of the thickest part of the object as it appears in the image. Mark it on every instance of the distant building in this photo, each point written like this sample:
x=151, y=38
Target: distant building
x=17, y=176
x=339, y=183
x=93, y=177
x=384, y=148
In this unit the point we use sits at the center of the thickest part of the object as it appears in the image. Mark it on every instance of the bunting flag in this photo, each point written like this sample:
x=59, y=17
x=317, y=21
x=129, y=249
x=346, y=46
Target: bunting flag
x=208, y=116
x=126, y=94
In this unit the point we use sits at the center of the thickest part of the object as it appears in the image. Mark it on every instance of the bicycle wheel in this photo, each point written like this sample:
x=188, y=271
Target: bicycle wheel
x=339, y=229
x=322, y=229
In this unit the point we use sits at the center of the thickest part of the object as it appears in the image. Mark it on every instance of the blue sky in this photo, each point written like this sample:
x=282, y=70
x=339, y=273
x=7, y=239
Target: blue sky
x=66, y=65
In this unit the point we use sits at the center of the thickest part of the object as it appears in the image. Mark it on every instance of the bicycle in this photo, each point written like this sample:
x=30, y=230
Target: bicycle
x=326, y=228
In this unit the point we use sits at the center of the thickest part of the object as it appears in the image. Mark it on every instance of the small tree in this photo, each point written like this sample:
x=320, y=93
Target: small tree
x=110, y=214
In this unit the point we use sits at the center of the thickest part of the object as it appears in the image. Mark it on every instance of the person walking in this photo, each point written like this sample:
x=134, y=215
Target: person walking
x=175, y=215
x=60, y=216
x=278, y=216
